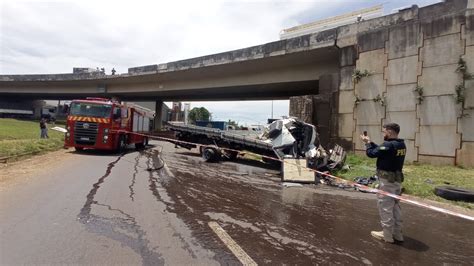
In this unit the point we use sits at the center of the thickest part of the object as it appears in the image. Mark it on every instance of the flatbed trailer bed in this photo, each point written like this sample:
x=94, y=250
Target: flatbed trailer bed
x=214, y=138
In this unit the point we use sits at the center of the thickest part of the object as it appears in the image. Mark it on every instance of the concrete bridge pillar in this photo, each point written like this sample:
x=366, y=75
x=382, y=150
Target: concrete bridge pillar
x=320, y=109
x=158, y=122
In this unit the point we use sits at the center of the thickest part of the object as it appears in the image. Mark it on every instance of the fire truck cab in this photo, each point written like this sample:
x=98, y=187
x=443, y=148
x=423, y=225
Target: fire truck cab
x=103, y=124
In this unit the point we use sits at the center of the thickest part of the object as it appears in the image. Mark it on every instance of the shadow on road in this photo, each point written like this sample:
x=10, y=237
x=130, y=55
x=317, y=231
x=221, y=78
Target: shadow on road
x=415, y=245
x=188, y=153
x=243, y=161
x=93, y=152
x=255, y=163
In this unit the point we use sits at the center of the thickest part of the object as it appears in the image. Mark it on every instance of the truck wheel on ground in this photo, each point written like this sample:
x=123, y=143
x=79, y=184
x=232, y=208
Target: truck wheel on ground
x=140, y=146
x=121, y=144
x=454, y=193
x=210, y=155
x=79, y=148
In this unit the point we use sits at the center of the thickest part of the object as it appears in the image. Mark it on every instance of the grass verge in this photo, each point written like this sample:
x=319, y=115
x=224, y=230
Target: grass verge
x=18, y=137
x=420, y=179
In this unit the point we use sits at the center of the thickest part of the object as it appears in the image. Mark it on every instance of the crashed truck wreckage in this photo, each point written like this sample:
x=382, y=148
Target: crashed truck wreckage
x=284, y=140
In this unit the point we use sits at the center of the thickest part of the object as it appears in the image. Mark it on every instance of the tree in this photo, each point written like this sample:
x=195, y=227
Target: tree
x=199, y=113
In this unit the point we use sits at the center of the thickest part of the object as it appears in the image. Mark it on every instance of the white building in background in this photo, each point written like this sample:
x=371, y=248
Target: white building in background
x=333, y=22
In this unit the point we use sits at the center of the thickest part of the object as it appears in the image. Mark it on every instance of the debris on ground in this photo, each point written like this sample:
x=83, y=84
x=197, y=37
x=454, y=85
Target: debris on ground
x=366, y=181
x=60, y=129
x=455, y=193
x=288, y=184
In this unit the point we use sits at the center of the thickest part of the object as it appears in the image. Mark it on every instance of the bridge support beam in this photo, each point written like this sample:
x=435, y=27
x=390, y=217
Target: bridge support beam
x=158, y=122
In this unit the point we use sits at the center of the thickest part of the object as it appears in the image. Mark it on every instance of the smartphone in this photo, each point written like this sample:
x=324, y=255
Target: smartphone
x=365, y=133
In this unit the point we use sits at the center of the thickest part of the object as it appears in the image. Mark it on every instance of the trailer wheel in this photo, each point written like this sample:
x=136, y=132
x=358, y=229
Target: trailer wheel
x=210, y=155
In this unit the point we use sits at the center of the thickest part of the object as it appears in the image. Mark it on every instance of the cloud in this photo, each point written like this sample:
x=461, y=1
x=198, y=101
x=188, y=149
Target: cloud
x=128, y=34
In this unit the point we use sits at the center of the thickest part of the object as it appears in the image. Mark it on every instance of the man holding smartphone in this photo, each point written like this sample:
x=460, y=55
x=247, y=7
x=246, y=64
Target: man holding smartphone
x=390, y=158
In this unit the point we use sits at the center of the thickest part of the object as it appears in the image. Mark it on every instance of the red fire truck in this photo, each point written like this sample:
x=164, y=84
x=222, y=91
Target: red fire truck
x=98, y=123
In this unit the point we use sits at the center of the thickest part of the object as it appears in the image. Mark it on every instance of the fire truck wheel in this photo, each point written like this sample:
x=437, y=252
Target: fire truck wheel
x=121, y=144
x=141, y=145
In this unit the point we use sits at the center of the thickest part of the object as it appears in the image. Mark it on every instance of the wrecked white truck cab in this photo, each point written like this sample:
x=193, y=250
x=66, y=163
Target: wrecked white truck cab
x=291, y=137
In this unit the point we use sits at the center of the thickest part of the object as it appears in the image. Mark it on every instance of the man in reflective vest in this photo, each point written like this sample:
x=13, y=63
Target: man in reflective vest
x=390, y=158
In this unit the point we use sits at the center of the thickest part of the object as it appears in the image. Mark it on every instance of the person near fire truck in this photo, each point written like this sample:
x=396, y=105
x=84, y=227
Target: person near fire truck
x=44, y=129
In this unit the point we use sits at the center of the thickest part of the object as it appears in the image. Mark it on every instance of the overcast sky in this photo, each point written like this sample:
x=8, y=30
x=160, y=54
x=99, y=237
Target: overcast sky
x=42, y=37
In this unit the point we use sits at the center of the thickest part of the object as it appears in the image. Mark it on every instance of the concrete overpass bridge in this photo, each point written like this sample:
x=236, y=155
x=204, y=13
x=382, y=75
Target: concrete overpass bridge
x=275, y=70
x=413, y=48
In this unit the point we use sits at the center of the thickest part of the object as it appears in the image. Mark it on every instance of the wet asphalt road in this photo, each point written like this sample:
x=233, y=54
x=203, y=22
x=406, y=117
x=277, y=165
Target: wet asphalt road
x=153, y=207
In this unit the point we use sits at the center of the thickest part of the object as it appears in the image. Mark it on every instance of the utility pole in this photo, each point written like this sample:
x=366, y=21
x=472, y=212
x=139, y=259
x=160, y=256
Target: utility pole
x=272, y=109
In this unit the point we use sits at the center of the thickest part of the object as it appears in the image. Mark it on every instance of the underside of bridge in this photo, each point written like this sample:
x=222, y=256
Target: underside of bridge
x=282, y=90
x=274, y=77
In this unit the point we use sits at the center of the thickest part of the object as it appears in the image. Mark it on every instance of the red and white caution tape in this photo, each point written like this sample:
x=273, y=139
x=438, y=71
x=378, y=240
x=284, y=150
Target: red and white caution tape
x=378, y=191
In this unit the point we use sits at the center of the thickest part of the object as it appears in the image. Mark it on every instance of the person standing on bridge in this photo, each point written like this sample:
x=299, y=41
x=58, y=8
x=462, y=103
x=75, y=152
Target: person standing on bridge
x=390, y=158
x=44, y=129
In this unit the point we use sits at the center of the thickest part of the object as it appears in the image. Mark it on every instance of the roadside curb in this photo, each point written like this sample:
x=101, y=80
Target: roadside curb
x=445, y=205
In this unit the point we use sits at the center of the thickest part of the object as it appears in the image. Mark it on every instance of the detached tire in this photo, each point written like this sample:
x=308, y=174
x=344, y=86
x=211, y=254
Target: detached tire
x=454, y=193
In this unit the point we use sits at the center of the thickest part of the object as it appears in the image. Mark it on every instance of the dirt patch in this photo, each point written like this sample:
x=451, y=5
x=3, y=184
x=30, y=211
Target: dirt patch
x=24, y=170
